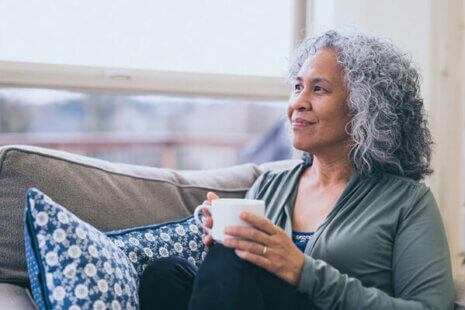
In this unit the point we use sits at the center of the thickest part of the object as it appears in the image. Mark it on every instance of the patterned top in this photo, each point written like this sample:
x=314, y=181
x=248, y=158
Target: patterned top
x=301, y=239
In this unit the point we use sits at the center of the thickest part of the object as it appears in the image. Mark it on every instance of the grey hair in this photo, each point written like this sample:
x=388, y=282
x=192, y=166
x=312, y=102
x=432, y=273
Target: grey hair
x=389, y=126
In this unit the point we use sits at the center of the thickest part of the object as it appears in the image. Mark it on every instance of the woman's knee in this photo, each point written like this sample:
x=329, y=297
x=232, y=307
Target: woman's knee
x=166, y=269
x=167, y=284
x=231, y=280
x=224, y=257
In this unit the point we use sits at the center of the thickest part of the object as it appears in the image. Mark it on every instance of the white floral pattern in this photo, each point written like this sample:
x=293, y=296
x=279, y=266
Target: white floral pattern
x=66, y=270
x=87, y=269
x=145, y=244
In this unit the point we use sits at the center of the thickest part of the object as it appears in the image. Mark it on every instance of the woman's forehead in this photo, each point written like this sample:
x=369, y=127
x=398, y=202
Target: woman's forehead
x=323, y=64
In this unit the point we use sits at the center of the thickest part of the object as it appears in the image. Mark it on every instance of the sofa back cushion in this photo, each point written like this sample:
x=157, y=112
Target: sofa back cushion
x=107, y=195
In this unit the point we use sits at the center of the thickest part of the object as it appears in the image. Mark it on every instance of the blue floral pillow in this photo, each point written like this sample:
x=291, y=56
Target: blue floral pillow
x=145, y=244
x=71, y=264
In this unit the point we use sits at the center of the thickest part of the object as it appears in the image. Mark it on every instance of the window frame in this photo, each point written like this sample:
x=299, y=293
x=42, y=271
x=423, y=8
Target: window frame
x=120, y=80
x=123, y=80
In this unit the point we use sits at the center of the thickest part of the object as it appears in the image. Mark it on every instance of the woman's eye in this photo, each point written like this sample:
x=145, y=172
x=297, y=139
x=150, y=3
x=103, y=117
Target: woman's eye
x=318, y=89
x=297, y=87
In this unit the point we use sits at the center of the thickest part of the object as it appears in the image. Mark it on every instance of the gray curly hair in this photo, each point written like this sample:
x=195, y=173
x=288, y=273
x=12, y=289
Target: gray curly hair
x=389, y=126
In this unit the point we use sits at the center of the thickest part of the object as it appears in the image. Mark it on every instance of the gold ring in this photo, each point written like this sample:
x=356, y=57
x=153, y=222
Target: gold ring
x=264, y=250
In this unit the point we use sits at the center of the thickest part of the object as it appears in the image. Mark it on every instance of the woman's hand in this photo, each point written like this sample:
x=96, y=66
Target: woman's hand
x=207, y=238
x=267, y=246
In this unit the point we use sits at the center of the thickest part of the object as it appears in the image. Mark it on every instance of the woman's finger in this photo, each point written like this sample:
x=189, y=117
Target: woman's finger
x=208, y=241
x=206, y=213
x=209, y=222
x=259, y=222
x=212, y=196
x=244, y=245
x=258, y=260
x=248, y=233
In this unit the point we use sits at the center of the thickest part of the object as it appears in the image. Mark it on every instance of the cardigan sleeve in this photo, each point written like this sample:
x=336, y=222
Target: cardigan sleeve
x=421, y=270
x=254, y=190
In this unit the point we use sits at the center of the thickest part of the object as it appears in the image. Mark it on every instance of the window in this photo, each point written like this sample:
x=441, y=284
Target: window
x=155, y=130
x=221, y=47
x=201, y=36
x=178, y=84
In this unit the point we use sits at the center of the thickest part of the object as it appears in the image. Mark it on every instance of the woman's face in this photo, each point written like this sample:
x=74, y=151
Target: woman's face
x=318, y=109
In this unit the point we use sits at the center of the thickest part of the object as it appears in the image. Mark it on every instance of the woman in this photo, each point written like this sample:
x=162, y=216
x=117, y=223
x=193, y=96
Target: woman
x=348, y=228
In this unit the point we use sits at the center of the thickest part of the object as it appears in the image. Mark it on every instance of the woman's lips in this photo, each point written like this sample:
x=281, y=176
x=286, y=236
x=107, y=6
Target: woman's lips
x=301, y=123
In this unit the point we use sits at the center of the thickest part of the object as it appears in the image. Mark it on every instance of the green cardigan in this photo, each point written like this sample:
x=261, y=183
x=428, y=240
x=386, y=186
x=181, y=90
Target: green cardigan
x=382, y=246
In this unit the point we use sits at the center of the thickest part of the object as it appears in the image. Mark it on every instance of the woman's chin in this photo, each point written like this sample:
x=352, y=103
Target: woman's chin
x=304, y=147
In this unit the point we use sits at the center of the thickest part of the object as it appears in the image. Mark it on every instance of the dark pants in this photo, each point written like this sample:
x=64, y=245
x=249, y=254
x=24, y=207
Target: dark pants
x=223, y=281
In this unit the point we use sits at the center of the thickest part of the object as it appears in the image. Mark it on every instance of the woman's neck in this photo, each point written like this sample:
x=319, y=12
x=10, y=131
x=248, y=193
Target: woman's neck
x=330, y=171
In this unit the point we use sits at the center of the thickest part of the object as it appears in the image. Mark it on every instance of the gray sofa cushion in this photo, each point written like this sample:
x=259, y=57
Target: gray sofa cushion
x=13, y=297
x=107, y=195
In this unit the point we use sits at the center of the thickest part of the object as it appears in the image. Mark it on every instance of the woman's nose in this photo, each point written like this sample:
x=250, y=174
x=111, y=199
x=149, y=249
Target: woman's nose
x=301, y=102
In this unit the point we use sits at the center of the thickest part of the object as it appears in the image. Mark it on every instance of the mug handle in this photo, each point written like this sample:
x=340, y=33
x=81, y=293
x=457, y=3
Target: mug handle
x=196, y=216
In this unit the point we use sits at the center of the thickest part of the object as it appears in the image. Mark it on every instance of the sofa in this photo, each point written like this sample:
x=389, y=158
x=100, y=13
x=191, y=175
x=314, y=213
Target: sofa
x=109, y=196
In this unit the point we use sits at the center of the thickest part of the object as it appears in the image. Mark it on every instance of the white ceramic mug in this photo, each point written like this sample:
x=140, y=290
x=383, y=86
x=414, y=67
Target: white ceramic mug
x=225, y=212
